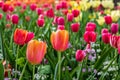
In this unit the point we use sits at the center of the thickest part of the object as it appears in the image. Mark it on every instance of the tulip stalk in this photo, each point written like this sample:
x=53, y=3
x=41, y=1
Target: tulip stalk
x=16, y=61
x=59, y=61
x=33, y=72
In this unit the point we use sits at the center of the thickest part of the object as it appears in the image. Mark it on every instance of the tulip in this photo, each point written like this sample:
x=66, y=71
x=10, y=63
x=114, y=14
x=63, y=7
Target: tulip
x=11, y=8
x=104, y=30
x=118, y=50
x=80, y=55
x=75, y=12
x=1, y=15
x=1, y=3
x=24, y=6
x=55, y=21
x=58, y=7
x=60, y=40
x=114, y=28
x=15, y=19
x=40, y=22
x=39, y=11
x=22, y=36
x=50, y=13
x=60, y=27
x=108, y=19
x=5, y=7
x=106, y=38
x=70, y=17
x=61, y=21
x=27, y=18
x=64, y=4
x=90, y=36
x=41, y=16
x=75, y=27
x=33, y=7
x=36, y=51
x=115, y=41
x=90, y=26
x=65, y=11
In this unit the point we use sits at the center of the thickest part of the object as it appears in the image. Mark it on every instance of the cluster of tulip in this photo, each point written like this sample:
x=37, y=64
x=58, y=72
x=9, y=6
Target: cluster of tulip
x=75, y=40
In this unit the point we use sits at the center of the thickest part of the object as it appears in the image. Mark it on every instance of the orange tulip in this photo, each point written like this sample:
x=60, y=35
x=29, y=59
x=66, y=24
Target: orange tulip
x=36, y=51
x=60, y=40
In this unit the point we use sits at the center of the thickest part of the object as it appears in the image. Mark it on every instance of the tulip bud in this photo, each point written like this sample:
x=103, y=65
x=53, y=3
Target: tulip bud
x=41, y=16
x=108, y=19
x=114, y=28
x=106, y=38
x=60, y=27
x=90, y=36
x=5, y=7
x=75, y=27
x=40, y=22
x=104, y=30
x=80, y=55
x=15, y=19
x=61, y=21
x=27, y=18
x=50, y=13
x=75, y=12
x=39, y=11
x=11, y=8
x=36, y=51
x=24, y=6
x=33, y=7
x=70, y=17
x=30, y=36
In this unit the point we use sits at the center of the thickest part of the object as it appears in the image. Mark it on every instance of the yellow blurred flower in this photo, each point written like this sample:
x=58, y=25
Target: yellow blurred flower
x=108, y=4
x=84, y=5
x=107, y=11
x=100, y=20
x=95, y=4
x=115, y=15
x=92, y=16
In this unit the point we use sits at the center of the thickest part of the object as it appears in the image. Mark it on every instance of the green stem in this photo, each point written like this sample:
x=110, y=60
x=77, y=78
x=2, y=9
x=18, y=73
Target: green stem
x=81, y=65
x=23, y=71
x=59, y=69
x=33, y=72
x=16, y=61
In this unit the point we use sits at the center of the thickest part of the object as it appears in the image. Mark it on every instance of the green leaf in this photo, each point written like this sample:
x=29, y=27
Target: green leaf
x=1, y=71
x=45, y=69
x=102, y=58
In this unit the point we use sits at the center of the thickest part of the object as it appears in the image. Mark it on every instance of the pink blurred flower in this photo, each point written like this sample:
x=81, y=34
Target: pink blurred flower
x=70, y=17
x=75, y=27
x=15, y=19
x=114, y=28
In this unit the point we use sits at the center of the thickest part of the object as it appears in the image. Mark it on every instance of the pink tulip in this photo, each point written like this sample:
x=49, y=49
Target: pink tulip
x=15, y=19
x=5, y=7
x=114, y=28
x=70, y=17
x=60, y=27
x=1, y=15
x=61, y=21
x=50, y=13
x=40, y=22
x=58, y=7
x=104, y=30
x=92, y=25
x=64, y=4
x=75, y=27
x=115, y=41
x=39, y=11
x=106, y=38
x=11, y=8
x=33, y=7
x=118, y=50
x=30, y=36
x=80, y=55
x=1, y=3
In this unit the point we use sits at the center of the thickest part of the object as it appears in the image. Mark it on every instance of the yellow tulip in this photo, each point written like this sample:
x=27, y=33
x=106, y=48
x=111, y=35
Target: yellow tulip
x=108, y=4
x=100, y=20
x=95, y=4
x=115, y=15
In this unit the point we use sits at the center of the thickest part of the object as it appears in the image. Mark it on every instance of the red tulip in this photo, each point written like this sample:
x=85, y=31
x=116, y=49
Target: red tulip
x=60, y=27
x=36, y=51
x=80, y=55
x=61, y=21
x=108, y=19
x=41, y=16
x=8, y=17
x=114, y=28
x=75, y=12
x=90, y=36
x=70, y=17
x=50, y=13
x=22, y=36
x=1, y=15
x=75, y=27
x=1, y=3
x=55, y=21
x=24, y=6
x=18, y=3
x=39, y=11
x=60, y=40
x=15, y=19
x=65, y=11
x=33, y=7
x=90, y=26
x=40, y=22
x=58, y=7
x=64, y=4
x=104, y=30
x=5, y=7
x=106, y=38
